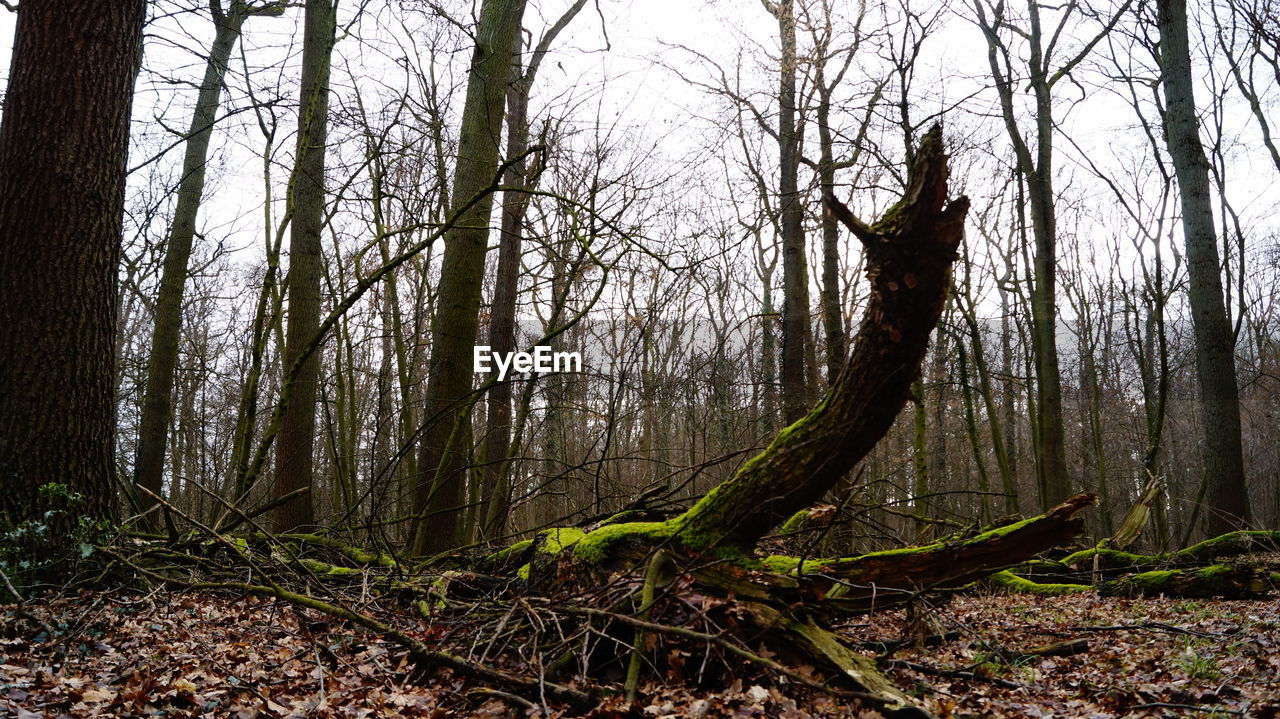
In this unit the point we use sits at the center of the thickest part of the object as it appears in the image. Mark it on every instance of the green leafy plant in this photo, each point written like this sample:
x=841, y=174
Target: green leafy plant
x=39, y=550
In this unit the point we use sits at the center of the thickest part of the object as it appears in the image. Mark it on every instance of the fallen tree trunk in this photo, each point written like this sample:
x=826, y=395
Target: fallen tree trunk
x=894, y=576
x=1219, y=580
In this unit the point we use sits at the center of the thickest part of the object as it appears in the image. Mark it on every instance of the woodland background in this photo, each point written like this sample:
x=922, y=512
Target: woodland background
x=675, y=236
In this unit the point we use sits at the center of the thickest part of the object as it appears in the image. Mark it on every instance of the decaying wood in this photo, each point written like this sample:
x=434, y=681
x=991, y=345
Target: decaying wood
x=883, y=579
x=909, y=253
x=1219, y=580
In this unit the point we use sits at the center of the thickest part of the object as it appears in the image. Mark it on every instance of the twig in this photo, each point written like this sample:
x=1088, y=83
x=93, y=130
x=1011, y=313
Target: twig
x=1192, y=707
x=954, y=674
x=1148, y=625
x=420, y=652
x=515, y=699
x=22, y=610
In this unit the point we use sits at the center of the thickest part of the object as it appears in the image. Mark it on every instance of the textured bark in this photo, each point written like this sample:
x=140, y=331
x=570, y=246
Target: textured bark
x=453, y=329
x=295, y=443
x=909, y=257
x=157, y=405
x=63, y=148
x=1227, y=495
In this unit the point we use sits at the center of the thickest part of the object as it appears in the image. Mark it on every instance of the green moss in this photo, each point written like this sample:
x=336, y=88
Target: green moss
x=523, y=572
x=1228, y=544
x=1219, y=580
x=796, y=522
x=596, y=546
x=352, y=552
x=1012, y=582
x=779, y=563
x=1034, y=566
x=328, y=570
x=502, y=556
x=554, y=541
x=784, y=564
x=1113, y=557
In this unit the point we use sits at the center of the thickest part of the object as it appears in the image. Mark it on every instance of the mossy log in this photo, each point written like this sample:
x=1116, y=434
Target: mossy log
x=1231, y=544
x=893, y=576
x=1012, y=582
x=1219, y=580
x=843, y=584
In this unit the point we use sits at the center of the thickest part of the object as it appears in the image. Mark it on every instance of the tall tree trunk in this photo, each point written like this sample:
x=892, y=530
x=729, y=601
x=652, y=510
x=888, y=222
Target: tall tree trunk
x=157, y=405
x=1036, y=169
x=832, y=316
x=456, y=320
x=502, y=335
x=1227, y=494
x=296, y=441
x=64, y=143
x=795, y=278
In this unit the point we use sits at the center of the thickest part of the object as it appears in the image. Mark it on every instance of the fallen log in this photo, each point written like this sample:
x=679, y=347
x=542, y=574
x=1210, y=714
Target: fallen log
x=1231, y=544
x=1219, y=580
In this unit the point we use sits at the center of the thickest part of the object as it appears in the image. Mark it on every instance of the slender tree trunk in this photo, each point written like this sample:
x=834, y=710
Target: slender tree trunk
x=1227, y=494
x=157, y=405
x=1036, y=169
x=456, y=320
x=296, y=441
x=768, y=341
x=502, y=335
x=64, y=142
x=832, y=316
x=795, y=280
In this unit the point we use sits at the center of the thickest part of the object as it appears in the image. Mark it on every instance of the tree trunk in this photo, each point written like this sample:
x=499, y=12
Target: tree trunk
x=832, y=316
x=795, y=278
x=1037, y=170
x=454, y=326
x=296, y=441
x=502, y=335
x=157, y=405
x=63, y=149
x=1228, y=496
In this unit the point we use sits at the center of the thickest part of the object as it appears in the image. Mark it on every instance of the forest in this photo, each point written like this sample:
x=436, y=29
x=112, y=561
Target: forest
x=613, y=358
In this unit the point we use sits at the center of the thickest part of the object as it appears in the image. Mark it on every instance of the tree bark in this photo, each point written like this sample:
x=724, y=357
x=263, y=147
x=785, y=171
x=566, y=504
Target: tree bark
x=296, y=441
x=1036, y=169
x=1228, y=495
x=63, y=148
x=456, y=321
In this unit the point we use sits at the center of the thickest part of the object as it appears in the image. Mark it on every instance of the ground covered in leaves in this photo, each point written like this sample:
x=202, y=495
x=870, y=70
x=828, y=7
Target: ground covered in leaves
x=206, y=655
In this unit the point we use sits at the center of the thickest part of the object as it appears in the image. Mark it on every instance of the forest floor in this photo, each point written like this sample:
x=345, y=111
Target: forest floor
x=214, y=655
